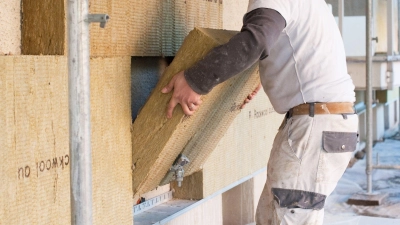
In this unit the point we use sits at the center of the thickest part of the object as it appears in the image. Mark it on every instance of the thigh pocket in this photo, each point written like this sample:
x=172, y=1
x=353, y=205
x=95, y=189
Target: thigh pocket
x=297, y=206
x=291, y=198
x=337, y=142
x=336, y=154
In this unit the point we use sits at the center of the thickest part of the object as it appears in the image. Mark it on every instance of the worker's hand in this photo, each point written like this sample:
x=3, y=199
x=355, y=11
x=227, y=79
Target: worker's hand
x=183, y=94
x=250, y=96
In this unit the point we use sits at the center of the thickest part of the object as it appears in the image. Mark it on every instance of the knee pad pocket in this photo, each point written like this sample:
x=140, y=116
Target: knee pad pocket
x=290, y=198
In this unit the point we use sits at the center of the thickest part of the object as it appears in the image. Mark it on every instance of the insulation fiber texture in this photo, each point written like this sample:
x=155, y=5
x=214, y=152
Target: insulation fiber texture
x=111, y=140
x=44, y=28
x=160, y=26
x=10, y=32
x=243, y=150
x=245, y=146
x=135, y=28
x=157, y=141
x=34, y=140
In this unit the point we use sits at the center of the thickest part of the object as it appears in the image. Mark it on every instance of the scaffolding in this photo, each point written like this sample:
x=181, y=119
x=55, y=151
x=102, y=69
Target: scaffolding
x=390, y=58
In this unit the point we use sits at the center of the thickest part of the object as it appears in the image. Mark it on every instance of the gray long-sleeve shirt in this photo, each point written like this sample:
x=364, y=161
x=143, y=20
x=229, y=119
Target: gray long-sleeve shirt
x=261, y=29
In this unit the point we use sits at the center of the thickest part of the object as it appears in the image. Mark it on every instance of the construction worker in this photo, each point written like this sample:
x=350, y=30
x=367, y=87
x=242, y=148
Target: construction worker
x=303, y=71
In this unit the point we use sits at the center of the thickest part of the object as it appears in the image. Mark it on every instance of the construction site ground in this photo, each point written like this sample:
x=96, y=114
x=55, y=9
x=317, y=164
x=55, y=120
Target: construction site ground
x=338, y=212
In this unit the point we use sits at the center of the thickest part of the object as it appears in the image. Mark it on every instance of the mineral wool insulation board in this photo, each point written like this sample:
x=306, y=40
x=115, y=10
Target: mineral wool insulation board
x=44, y=28
x=160, y=26
x=243, y=150
x=135, y=28
x=157, y=141
x=34, y=156
x=10, y=32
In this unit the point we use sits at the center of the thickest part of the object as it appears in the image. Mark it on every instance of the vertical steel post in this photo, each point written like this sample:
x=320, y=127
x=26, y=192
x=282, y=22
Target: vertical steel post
x=390, y=44
x=390, y=28
x=398, y=24
x=341, y=15
x=79, y=112
x=369, y=95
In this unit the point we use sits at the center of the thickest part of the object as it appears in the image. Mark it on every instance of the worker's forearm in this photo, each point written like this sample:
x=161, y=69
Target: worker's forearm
x=261, y=28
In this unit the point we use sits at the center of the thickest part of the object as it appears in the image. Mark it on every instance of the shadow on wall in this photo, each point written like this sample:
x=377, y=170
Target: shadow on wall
x=145, y=73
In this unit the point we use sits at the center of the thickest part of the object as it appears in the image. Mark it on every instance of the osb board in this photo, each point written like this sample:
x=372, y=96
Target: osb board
x=45, y=31
x=157, y=141
x=34, y=156
x=160, y=26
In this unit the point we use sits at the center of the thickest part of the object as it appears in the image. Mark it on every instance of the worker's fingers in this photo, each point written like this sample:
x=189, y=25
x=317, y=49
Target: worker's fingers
x=244, y=104
x=169, y=86
x=193, y=107
x=170, y=109
x=250, y=96
x=257, y=89
x=186, y=110
x=197, y=102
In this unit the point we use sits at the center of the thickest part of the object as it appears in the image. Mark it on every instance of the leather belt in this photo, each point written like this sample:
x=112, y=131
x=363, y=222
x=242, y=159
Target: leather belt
x=322, y=108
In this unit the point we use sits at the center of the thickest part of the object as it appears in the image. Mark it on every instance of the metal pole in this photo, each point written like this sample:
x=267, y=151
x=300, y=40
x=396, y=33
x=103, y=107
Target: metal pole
x=390, y=44
x=341, y=15
x=390, y=28
x=387, y=167
x=369, y=95
x=79, y=112
x=398, y=24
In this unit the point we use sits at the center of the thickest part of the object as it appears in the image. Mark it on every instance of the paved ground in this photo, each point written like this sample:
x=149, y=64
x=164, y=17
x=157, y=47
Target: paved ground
x=337, y=211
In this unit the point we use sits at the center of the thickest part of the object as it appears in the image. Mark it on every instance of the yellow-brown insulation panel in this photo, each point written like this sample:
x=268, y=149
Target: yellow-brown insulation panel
x=34, y=156
x=45, y=31
x=157, y=141
x=135, y=28
x=243, y=150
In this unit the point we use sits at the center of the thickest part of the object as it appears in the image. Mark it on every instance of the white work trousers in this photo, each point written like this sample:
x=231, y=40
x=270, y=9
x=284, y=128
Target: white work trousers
x=308, y=157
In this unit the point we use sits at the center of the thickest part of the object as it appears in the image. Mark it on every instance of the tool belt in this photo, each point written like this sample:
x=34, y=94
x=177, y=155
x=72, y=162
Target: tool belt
x=322, y=108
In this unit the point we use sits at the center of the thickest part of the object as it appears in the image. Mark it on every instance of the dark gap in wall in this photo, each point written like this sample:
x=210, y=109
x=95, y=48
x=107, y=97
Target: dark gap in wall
x=145, y=73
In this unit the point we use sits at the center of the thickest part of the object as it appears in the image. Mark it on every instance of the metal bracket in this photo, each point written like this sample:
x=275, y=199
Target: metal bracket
x=98, y=18
x=176, y=172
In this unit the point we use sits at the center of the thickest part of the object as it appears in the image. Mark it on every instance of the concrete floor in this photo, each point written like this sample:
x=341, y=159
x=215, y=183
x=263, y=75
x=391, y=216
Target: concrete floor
x=338, y=212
